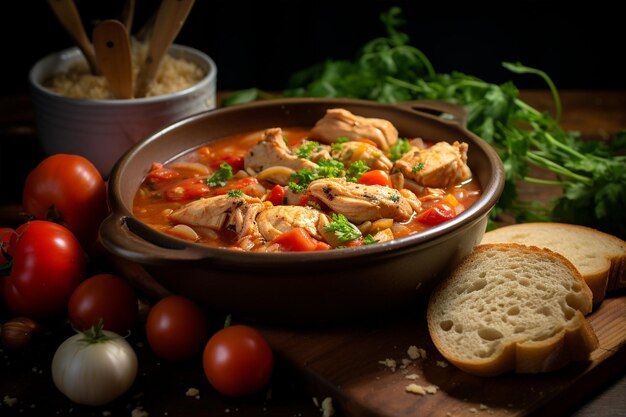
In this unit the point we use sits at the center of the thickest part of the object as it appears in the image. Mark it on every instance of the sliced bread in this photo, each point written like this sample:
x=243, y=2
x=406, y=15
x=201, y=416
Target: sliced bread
x=599, y=257
x=509, y=307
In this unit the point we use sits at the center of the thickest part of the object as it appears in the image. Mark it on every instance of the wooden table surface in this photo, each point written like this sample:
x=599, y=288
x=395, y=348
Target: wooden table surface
x=161, y=386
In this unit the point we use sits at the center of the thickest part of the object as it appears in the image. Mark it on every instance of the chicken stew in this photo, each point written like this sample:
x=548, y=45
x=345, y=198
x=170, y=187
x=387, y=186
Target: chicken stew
x=348, y=181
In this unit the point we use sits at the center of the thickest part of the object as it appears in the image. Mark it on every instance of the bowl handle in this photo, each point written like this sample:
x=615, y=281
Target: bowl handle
x=444, y=110
x=130, y=239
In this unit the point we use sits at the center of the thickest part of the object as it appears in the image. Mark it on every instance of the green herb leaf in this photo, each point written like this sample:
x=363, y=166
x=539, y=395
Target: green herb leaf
x=355, y=171
x=342, y=228
x=369, y=239
x=235, y=193
x=398, y=149
x=221, y=176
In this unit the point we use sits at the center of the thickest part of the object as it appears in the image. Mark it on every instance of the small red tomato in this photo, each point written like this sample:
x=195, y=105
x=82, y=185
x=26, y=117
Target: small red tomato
x=48, y=264
x=176, y=328
x=69, y=190
x=104, y=297
x=237, y=361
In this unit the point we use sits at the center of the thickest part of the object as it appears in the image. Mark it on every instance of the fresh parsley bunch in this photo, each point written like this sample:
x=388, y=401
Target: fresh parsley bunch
x=591, y=175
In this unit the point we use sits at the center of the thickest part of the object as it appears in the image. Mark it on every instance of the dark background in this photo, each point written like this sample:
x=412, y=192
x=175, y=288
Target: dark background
x=261, y=43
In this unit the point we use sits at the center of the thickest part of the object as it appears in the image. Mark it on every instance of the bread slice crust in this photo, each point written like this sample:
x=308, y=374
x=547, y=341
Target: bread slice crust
x=599, y=257
x=510, y=307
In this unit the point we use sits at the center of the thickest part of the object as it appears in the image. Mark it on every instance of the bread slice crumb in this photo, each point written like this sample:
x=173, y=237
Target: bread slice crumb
x=421, y=390
x=442, y=364
x=412, y=377
x=10, y=401
x=389, y=363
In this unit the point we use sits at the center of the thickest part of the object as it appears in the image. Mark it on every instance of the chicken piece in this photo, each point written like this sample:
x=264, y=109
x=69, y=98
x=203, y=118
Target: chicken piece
x=273, y=151
x=360, y=203
x=352, y=151
x=439, y=166
x=280, y=219
x=341, y=123
x=236, y=214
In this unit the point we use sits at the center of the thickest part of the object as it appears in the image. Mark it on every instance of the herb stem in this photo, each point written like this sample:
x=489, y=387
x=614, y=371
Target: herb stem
x=556, y=168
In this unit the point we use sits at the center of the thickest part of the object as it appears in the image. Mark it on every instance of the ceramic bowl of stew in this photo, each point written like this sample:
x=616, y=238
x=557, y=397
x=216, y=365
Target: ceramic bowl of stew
x=346, y=283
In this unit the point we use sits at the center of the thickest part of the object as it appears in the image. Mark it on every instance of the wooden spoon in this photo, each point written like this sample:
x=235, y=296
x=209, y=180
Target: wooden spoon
x=128, y=13
x=66, y=12
x=169, y=20
x=110, y=40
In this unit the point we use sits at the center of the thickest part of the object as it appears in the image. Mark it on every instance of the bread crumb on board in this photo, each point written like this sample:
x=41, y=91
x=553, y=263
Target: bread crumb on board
x=389, y=363
x=420, y=390
x=326, y=407
x=442, y=364
x=416, y=353
x=10, y=401
x=139, y=412
x=193, y=392
x=412, y=377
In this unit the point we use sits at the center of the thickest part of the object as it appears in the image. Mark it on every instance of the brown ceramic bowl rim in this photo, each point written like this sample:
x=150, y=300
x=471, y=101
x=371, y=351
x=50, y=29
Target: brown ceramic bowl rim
x=491, y=191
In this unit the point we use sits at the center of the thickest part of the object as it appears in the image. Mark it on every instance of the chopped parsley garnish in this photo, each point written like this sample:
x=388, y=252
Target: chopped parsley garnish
x=326, y=168
x=342, y=139
x=394, y=197
x=330, y=168
x=314, y=205
x=355, y=171
x=305, y=150
x=369, y=239
x=221, y=176
x=342, y=228
x=235, y=193
x=418, y=167
x=297, y=188
x=398, y=149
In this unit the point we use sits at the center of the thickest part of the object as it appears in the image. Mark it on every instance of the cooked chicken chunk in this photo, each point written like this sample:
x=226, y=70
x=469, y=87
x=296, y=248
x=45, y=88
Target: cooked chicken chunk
x=341, y=123
x=353, y=151
x=439, y=166
x=280, y=219
x=360, y=203
x=236, y=214
x=273, y=151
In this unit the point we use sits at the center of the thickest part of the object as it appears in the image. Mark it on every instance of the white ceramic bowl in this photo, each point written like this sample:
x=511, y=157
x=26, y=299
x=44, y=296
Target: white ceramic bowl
x=103, y=130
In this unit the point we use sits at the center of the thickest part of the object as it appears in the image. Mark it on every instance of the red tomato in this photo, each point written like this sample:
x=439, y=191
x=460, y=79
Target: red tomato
x=69, y=190
x=375, y=177
x=438, y=213
x=237, y=361
x=48, y=264
x=159, y=173
x=176, y=328
x=104, y=297
x=276, y=195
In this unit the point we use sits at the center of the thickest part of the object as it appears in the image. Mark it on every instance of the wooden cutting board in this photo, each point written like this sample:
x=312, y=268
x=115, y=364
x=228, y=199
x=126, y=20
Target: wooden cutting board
x=350, y=364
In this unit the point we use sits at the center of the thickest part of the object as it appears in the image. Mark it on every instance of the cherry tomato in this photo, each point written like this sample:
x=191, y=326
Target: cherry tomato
x=104, y=297
x=375, y=177
x=187, y=189
x=48, y=264
x=237, y=361
x=69, y=190
x=176, y=328
x=299, y=240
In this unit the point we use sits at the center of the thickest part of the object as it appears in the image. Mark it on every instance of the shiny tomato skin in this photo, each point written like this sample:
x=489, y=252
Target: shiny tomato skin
x=238, y=361
x=104, y=297
x=176, y=328
x=69, y=190
x=48, y=264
